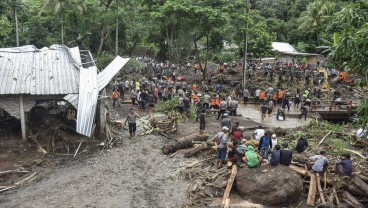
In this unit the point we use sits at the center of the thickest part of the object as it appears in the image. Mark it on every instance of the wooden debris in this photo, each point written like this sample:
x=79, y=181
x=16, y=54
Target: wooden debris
x=195, y=150
x=320, y=191
x=336, y=197
x=183, y=143
x=6, y=188
x=360, y=184
x=38, y=145
x=351, y=200
x=306, y=173
x=76, y=151
x=13, y=171
x=323, y=139
x=355, y=152
x=230, y=182
x=312, y=190
x=227, y=203
x=27, y=179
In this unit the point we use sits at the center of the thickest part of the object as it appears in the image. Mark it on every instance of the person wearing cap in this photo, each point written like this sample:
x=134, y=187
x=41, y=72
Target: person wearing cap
x=319, y=163
x=221, y=141
x=132, y=120
x=265, y=144
x=302, y=144
x=274, y=141
x=259, y=132
x=226, y=121
x=345, y=165
x=286, y=155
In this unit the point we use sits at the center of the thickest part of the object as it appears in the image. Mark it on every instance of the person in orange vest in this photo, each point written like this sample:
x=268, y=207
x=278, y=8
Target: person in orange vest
x=115, y=97
x=194, y=87
x=195, y=98
x=262, y=96
x=281, y=95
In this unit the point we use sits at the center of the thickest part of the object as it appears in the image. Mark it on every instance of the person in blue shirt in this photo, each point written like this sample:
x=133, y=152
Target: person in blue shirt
x=275, y=156
x=345, y=165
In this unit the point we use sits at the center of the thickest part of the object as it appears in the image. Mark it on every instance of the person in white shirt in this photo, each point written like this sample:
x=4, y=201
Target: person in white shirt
x=258, y=133
x=274, y=141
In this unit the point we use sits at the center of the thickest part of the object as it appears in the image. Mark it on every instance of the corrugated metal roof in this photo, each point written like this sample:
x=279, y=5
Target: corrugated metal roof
x=104, y=77
x=283, y=47
x=90, y=84
x=46, y=71
x=87, y=103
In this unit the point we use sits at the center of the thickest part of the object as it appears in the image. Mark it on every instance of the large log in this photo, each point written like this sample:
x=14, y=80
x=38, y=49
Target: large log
x=351, y=200
x=306, y=173
x=195, y=150
x=360, y=184
x=183, y=143
x=320, y=191
x=352, y=188
x=230, y=182
x=312, y=190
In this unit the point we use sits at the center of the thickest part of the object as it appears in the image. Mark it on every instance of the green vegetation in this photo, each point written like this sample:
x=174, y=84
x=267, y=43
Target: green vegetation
x=196, y=30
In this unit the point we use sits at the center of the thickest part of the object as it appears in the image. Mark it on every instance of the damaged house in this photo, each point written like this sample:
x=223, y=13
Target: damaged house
x=57, y=80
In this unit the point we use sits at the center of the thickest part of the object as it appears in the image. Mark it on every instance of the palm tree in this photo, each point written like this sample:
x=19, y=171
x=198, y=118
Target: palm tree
x=313, y=17
x=59, y=7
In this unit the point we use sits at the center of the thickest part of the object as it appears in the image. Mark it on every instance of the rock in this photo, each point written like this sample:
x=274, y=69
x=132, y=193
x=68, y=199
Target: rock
x=268, y=185
x=280, y=132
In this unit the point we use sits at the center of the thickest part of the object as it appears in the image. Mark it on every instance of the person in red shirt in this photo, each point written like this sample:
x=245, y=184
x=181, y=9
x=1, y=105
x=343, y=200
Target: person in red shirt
x=238, y=135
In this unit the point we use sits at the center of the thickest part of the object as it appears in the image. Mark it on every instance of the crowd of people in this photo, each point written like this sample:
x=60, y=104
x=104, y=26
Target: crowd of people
x=164, y=85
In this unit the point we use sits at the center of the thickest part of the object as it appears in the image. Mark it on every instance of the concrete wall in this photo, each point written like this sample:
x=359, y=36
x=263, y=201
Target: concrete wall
x=10, y=103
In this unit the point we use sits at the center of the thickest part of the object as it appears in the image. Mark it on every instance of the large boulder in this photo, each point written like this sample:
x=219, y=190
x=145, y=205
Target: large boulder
x=269, y=185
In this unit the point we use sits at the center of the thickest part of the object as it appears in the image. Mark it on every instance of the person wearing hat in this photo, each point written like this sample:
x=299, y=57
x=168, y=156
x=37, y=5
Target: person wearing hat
x=132, y=120
x=286, y=155
x=226, y=121
x=345, y=165
x=302, y=144
x=221, y=141
x=274, y=141
x=265, y=144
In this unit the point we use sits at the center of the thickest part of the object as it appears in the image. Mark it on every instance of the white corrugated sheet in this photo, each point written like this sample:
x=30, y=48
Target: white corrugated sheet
x=90, y=84
x=104, y=77
x=46, y=71
x=72, y=99
x=88, y=94
x=283, y=47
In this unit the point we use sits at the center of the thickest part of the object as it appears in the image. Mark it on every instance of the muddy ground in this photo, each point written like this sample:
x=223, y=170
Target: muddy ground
x=134, y=174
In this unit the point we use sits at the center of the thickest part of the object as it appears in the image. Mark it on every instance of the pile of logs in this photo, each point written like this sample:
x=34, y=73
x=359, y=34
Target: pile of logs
x=332, y=193
x=187, y=142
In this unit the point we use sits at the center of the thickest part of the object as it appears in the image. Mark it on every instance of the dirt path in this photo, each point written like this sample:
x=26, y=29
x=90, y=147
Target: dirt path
x=134, y=175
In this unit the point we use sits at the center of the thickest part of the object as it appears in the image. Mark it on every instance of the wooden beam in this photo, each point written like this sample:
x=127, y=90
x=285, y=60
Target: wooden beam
x=230, y=182
x=312, y=190
x=320, y=189
x=22, y=119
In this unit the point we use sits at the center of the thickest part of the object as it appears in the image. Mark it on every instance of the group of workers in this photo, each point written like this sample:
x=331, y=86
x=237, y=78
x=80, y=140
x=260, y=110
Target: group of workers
x=264, y=148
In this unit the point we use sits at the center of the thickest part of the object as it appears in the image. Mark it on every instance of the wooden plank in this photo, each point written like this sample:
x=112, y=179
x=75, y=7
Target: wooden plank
x=230, y=182
x=312, y=190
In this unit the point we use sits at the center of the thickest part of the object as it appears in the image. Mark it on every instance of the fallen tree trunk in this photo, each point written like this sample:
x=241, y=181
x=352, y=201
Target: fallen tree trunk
x=230, y=182
x=183, y=143
x=352, y=188
x=306, y=173
x=312, y=190
x=351, y=200
x=360, y=184
x=195, y=150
